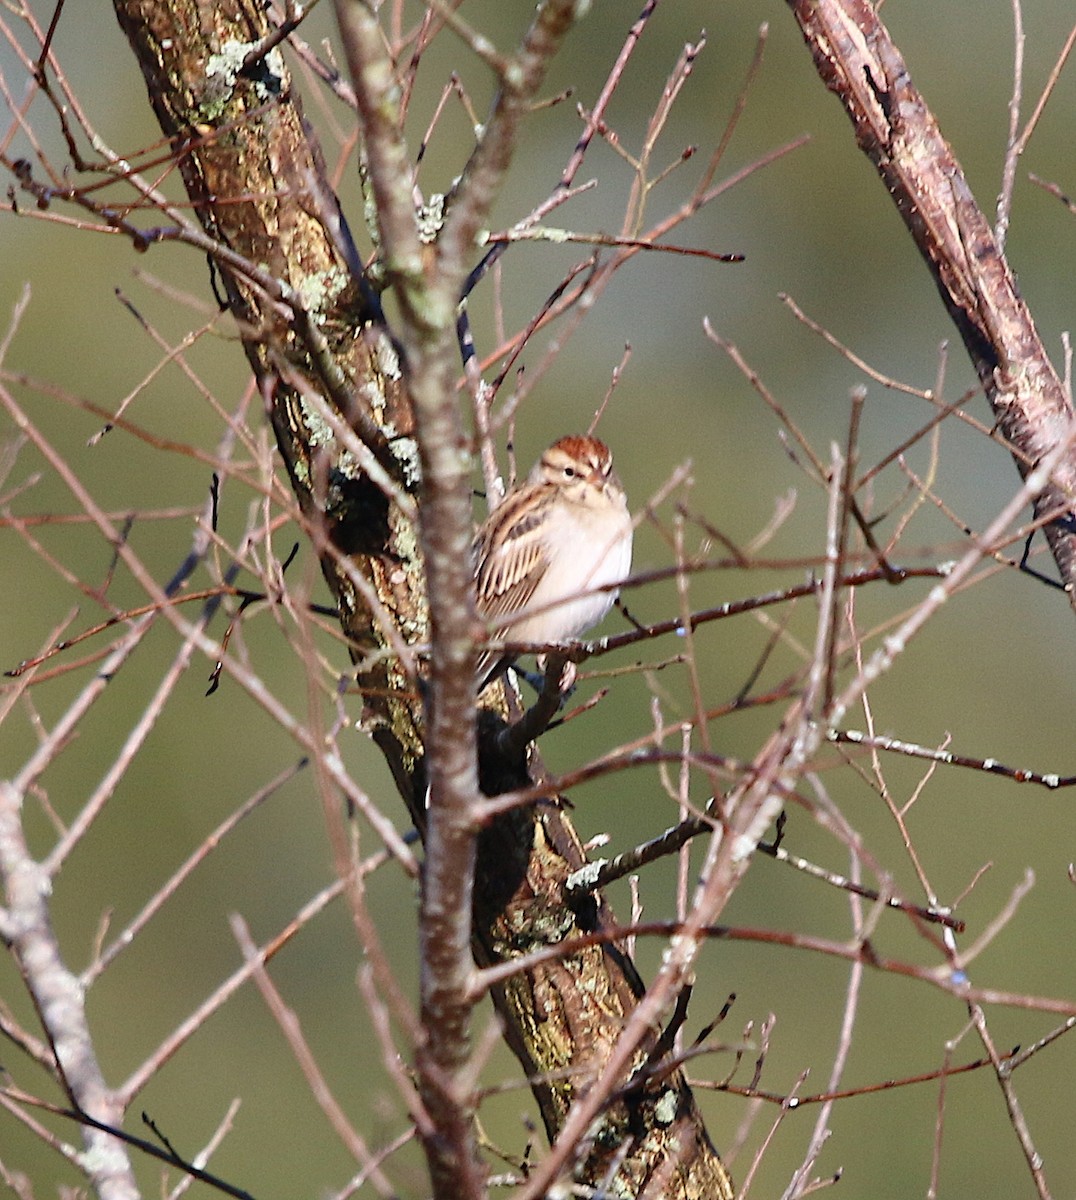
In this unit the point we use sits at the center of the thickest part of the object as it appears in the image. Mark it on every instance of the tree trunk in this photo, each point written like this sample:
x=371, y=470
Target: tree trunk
x=329, y=371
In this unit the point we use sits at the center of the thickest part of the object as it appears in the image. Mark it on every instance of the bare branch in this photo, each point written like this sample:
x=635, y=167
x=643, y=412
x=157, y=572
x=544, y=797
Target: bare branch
x=59, y=1000
x=855, y=56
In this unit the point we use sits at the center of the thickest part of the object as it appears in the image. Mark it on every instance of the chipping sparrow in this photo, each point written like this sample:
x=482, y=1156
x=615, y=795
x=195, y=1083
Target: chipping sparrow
x=542, y=556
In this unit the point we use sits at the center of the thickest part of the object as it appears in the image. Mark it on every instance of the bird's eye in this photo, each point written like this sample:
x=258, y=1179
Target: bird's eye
x=569, y=472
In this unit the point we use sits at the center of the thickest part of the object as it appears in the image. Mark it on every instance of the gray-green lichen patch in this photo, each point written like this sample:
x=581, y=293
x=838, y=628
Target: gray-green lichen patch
x=318, y=291
x=405, y=451
x=388, y=361
x=665, y=1109
x=431, y=216
x=405, y=537
x=223, y=69
x=319, y=432
x=414, y=618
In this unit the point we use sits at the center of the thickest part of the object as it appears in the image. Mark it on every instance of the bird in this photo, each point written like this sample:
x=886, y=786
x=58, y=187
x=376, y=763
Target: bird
x=547, y=559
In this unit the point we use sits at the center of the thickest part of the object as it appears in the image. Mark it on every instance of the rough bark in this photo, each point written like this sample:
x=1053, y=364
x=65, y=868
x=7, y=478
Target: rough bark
x=257, y=182
x=894, y=127
x=338, y=400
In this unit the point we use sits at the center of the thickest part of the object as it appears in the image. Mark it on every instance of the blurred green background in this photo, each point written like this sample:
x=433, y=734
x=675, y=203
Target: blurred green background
x=996, y=670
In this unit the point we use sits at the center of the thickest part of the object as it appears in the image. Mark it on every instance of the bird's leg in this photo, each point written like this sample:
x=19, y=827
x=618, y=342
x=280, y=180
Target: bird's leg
x=538, y=680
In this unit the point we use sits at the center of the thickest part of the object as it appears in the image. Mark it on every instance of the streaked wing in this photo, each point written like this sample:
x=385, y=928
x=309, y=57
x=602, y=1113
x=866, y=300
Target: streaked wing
x=508, y=552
